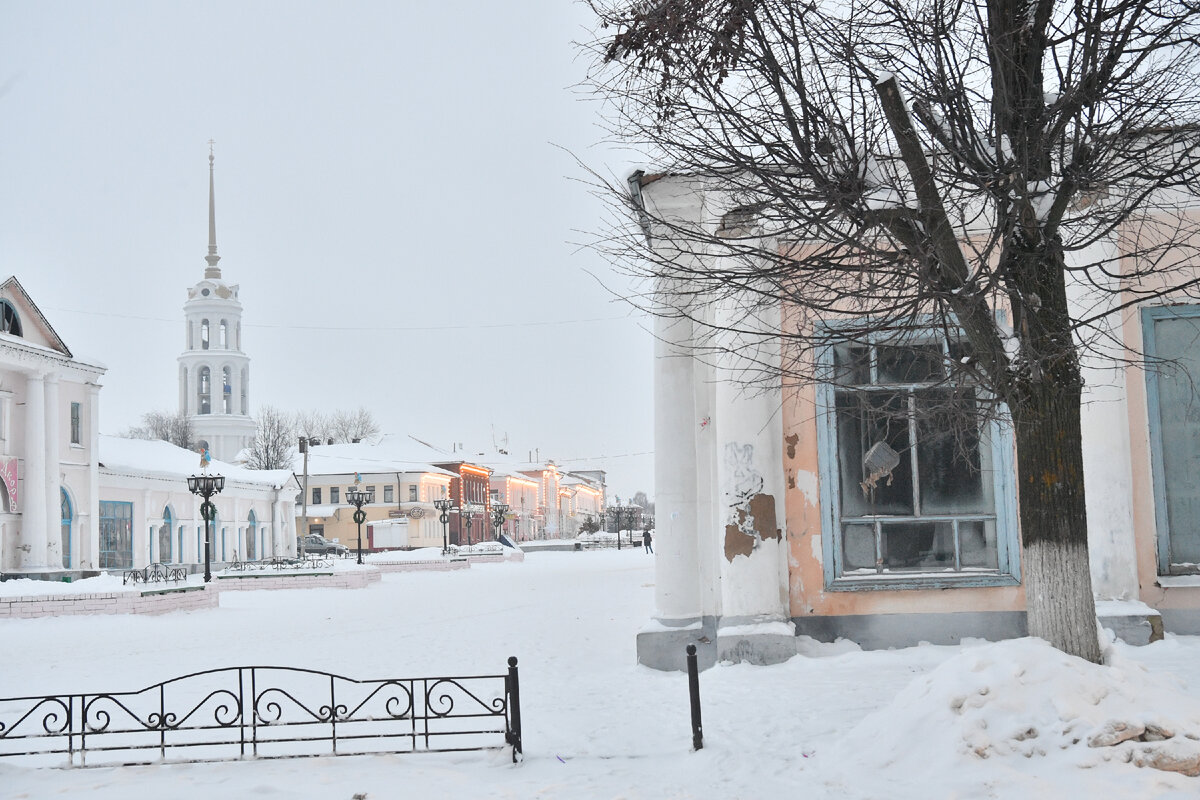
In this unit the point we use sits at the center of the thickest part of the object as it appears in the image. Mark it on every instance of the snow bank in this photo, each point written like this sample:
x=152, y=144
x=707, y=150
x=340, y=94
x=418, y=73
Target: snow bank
x=24, y=587
x=1024, y=698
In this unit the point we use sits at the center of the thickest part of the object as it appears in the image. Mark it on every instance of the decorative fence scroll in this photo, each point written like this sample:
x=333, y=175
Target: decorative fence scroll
x=263, y=712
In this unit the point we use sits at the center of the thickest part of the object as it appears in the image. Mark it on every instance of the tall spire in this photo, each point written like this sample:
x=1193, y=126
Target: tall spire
x=213, y=271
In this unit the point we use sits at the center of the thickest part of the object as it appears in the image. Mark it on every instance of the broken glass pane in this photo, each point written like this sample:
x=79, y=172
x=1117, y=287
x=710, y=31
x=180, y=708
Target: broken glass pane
x=859, y=543
x=852, y=364
x=977, y=544
x=864, y=420
x=910, y=364
x=918, y=545
x=953, y=460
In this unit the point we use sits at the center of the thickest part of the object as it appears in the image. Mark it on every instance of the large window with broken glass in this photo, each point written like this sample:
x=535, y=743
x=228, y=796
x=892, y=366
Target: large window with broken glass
x=916, y=468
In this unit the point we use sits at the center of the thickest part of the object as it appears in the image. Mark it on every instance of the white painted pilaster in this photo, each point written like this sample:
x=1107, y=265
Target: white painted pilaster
x=53, y=422
x=90, y=558
x=33, y=497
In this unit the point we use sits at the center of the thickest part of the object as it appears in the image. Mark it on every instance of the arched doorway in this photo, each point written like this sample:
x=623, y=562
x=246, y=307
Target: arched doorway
x=164, y=537
x=251, y=538
x=68, y=517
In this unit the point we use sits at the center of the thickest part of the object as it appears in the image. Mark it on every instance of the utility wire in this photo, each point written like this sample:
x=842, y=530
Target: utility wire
x=359, y=328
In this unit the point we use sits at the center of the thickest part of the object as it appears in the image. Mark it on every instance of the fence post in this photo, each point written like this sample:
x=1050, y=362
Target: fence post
x=694, y=689
x=512, y=684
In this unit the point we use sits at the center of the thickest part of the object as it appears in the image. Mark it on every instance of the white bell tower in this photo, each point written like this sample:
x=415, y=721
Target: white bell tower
x=214, y=372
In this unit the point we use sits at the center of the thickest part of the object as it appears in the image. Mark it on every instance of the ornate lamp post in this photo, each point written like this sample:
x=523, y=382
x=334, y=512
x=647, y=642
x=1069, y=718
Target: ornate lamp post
x=469, y=510
x=615, y=513
x=444, y=506
x=206, y=486
x=358, y=498
x=498, y=512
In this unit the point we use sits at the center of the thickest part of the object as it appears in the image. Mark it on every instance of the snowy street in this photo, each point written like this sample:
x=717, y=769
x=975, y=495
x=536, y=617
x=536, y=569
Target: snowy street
x=596, y=725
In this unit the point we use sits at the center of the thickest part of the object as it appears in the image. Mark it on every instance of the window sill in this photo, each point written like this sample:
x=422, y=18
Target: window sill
x=1178, y=581
x=919, y=580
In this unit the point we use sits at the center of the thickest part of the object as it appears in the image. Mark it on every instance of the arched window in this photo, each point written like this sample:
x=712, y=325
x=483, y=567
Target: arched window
x=9, y=321
x=204, y=392
x=251, y=537
x=203, y=334
x=224, y=335
x=237, y=342
x=68, y=517
x=191, y=335
x=227, y=390
x=245, y=392
x=164, y=537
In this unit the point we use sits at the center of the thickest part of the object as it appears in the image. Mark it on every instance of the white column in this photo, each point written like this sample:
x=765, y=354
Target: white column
x=1107, y=458
x=32, y=546
x=53, y=422
x=677, y=590
x=749, y=461
x=93, y=500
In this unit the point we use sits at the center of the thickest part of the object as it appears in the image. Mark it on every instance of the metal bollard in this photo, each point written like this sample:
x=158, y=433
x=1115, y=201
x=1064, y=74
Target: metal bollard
x=514, y=709
x=694, y=689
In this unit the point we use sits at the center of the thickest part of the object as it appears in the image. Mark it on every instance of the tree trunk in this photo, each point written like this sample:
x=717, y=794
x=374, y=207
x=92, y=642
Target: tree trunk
x=1058, y=580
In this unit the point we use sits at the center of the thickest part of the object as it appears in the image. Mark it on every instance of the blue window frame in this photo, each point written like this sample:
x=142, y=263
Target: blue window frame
x=1171, y=343
x=915, y=492
x=116, y=535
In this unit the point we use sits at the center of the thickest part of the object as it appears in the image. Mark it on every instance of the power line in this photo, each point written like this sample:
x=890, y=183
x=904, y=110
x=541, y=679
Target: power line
x=359, y=328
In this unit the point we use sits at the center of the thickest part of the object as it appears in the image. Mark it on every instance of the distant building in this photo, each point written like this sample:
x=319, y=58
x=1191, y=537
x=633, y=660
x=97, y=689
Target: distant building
x=214, y=372
x=398, y=472
x=147, y=515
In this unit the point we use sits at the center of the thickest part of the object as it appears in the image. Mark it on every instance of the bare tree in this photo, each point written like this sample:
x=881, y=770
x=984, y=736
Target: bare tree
x=274, y=442
x=354, y=426
x=1034, y=183
x=174, y=428
x=312, y=424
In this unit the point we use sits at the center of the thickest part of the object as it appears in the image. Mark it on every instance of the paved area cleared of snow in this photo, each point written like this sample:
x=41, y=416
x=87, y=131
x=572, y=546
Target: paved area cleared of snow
x=925, y=722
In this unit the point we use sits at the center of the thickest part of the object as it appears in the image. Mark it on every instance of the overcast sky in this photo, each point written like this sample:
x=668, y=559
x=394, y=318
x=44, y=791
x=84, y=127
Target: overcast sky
x=395, y=196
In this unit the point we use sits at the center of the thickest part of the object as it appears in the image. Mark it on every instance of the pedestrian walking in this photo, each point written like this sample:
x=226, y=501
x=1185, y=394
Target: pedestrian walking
x=646, y=539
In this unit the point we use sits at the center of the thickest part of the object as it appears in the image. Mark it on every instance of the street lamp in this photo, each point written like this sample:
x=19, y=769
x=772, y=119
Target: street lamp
x=358, y=498
x=615, y=513
x=498, y=512
x=469, y=510
x=206, y=486
x=443, y=506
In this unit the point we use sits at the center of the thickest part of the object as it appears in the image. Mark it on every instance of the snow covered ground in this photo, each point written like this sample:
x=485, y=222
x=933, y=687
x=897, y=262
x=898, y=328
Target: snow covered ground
x=1008, y=721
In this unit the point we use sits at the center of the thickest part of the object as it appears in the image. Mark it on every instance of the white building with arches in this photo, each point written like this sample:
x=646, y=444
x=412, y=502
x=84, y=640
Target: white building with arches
x=214, y=371
x=147, y=515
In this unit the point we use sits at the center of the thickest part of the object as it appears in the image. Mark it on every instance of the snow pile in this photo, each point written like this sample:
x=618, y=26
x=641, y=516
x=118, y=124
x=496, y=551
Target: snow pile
x=1024, y=698
x=395, y=556
x=104, y=583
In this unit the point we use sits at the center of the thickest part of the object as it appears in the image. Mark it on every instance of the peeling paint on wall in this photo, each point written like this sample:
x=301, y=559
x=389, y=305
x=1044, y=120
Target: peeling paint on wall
x=753, y=524
x=792, y=441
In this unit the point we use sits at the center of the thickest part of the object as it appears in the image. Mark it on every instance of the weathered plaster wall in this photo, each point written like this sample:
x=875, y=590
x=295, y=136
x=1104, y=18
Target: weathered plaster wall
x=806, y=582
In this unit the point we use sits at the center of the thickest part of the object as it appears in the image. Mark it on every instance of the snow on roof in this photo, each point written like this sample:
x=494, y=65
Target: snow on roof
x=156, y=457
x=391, y=454
x=326, y=510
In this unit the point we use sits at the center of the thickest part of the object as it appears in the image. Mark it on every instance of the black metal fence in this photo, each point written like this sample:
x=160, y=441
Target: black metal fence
x=155, y=573
x=263, y=712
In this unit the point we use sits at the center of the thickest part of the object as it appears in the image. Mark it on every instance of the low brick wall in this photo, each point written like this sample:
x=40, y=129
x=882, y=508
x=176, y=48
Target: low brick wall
x=438, y=565
x=339, y=579
x=150, y=601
